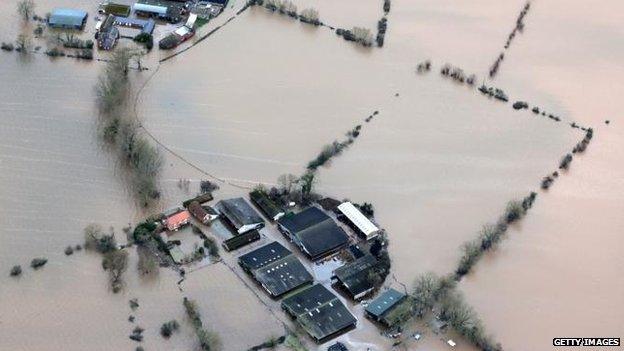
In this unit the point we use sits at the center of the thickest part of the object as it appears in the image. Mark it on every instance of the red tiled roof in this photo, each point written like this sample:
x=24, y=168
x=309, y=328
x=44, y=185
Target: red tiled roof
x=175, y=220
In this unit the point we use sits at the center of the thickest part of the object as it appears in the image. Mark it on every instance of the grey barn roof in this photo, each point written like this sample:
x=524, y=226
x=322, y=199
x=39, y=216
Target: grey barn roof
x=276, y=268
x=67, y=18
x=319, y=312
x=238, y=212
x=354, y=275
x=384, y=302
x=316, y=232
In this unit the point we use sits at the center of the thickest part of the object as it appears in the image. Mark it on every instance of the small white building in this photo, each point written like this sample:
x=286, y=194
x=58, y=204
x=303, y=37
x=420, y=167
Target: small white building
x=359, y=220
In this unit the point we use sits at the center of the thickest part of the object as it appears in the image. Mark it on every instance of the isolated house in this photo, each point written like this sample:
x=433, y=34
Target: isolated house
x=353, y=277
x=177, y=220
x=358, y=220
x=319, y=312
x=275, y=268
x=239, y=214
x=68, y=18
x=383, y=305
x=315, y=233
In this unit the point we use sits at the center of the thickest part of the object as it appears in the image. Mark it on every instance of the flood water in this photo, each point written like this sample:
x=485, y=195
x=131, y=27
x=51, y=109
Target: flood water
x=260, y=97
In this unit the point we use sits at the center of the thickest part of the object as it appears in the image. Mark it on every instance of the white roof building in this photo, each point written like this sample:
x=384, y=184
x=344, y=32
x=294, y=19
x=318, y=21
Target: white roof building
x=356, y=217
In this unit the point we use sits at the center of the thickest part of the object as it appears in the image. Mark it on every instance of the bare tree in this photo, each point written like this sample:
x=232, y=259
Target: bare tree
x=26, y=8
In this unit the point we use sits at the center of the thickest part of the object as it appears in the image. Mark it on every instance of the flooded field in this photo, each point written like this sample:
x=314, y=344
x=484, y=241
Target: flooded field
x=260, y=97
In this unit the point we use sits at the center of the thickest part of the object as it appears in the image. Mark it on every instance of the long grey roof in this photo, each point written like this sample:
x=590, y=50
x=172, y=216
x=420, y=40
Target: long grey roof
x=276, y=268
x=67, y=17
x=317, y=232
x=384, y=302
x=319, y=311
x=239, y=212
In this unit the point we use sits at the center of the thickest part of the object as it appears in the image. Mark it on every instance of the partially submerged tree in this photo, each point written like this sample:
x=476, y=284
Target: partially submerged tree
x=26, y=9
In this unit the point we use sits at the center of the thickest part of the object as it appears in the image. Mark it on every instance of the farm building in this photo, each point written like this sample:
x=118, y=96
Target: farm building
x=319, y=312
x=266, y=205
x=239, y=214
x=353, y=277
x=200, y=198
x=177, y=220
x=238, y=241
x=204, y=215
x=383, y=305
x=172, y=11
x=316, y=234
x=110, y=8
x=275, y=268
x=358, y=220
x=146, y=26
x=67, y=18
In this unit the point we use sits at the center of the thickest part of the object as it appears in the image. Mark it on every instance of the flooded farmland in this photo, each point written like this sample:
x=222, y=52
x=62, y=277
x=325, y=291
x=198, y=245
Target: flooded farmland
x=261, y=96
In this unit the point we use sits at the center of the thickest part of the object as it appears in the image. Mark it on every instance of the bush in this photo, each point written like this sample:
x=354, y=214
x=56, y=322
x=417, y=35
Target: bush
x=116, y=263
x=7, y=46
x=95, y=239
x=146, y=39
x=168, y=328
x=213, y=248
x=16, y=271
x=69, y=250
x=514, y=211
x=37, y=263
x=565, y=162
x=311, y=16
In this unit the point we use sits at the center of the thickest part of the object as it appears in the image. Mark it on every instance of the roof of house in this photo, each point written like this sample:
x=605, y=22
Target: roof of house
x=276, y=268
x=354, y=275
x=197, y=210
x=175, y=219
x=319, y=311
x=238, y=212
x=316, y=231
x=264, y=255
x=357, y=218
x=384, y=302
x=67, y=17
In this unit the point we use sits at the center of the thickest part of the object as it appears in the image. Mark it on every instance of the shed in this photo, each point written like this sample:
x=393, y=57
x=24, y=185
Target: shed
x=200, y=213
x=316, y=234
x=241, y=240
x=67, y=18
x=319, y=312
x=354, y=276
x=359, y=220
x=239, y=214
x=266, y=205
x=384, y=303
x=275, y=268
x=150, y=10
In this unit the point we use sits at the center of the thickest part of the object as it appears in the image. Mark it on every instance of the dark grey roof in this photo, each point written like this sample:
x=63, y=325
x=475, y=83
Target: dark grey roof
x=276, y=268
x=283, y=275
x=238, y=212
x=384, y=302
x=266, y=205
x=354, y=275
x=241, y=240
x=319, y=312
x=264, y=255
x=315, y=230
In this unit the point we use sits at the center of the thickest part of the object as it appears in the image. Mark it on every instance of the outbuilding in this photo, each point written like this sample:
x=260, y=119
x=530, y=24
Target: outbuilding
x=353, y=277
x=67, y=18
x=275, y=268
x=380, y=307
x=316, y=234
x=358, y=220
x=319, y=312
x=239, y=214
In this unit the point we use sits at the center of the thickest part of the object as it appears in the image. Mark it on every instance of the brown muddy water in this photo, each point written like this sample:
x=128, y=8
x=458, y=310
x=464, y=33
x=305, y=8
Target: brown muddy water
x=261, y=96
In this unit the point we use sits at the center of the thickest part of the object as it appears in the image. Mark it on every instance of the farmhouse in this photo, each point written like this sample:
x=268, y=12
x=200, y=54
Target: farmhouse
x=275, y=268
x=316, y=234
x=319, y=312
x=266, y=205
x=177, y=220
x=383, y=305
x=239, y=214
x=202, y=214
x=353, y=277
x=357, y=220
x=67, y=18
